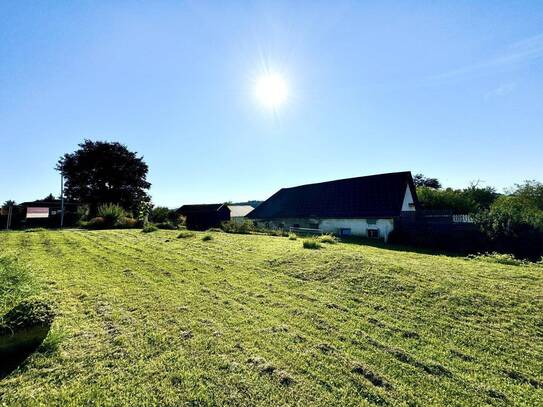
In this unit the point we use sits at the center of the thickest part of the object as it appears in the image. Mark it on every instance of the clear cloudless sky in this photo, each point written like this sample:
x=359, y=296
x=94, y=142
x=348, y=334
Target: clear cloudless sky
x=451, y=89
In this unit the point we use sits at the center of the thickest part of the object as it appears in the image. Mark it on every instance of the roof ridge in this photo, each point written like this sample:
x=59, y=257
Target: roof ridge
x=348, y=179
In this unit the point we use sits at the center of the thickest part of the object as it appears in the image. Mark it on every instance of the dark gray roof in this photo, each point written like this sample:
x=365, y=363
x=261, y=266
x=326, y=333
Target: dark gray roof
x=370, y=196
x=203, y=208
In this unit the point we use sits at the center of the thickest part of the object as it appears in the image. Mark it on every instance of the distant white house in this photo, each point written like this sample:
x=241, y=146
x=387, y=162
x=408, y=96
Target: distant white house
x=364, y=206
x=238, y=213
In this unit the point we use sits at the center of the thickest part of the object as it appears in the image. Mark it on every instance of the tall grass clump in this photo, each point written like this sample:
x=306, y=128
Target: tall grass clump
x=330, y=239
x=292, y=236
x=111, y=213
x=185, y=234
x=16, y=283
x=311, y=244
x=207, y=237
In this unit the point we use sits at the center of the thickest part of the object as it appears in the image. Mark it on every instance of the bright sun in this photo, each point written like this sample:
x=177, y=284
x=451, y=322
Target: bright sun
x=271, y=90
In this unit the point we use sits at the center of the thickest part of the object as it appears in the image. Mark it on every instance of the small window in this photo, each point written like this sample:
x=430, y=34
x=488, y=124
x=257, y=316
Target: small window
x=345, y=232
x=372, y=221
x=373, y=233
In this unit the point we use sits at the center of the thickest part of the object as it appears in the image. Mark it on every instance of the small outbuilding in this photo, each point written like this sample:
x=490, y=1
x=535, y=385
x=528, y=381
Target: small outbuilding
x=204, y=216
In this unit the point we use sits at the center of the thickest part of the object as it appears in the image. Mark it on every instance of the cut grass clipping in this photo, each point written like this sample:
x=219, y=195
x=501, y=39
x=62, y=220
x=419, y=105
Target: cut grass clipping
x=311, y=244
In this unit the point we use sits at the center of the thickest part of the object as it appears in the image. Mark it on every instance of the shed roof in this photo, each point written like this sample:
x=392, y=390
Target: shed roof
x=237, y=211
x=201, y=208
x=369, y=196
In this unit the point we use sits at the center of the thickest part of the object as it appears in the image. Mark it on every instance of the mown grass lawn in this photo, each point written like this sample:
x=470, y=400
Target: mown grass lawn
x=149, y=319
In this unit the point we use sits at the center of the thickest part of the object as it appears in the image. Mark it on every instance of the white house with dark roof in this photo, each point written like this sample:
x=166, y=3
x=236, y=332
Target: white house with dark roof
x=363, y=206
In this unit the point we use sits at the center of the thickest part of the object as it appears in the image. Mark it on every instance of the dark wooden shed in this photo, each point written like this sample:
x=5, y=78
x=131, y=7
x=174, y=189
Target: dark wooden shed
x=202, y=217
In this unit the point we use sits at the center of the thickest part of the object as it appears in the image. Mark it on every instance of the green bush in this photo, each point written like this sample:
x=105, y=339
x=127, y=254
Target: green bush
x=149, y=228
x=111, y=213
x=292, y=236
x=185, y=234
x=160, y=214
x=330, y=239
x=244, y=227
x=95, y=223
x=207, y=237
x=126, y=223
x=311, y=244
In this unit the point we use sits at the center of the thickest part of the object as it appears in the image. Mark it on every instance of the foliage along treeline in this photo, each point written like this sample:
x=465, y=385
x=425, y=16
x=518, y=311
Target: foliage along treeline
x=510, y=222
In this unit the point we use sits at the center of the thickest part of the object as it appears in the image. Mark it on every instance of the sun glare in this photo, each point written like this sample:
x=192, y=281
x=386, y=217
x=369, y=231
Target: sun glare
x=271, y=90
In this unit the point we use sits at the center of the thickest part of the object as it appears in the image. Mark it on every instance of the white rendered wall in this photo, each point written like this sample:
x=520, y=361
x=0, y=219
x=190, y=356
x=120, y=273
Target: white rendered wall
x=407, y=200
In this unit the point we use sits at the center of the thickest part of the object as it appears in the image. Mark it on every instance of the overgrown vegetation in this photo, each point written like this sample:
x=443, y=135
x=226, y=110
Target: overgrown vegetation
x=244, y=227
x=327, y=238
x=258, y=320
x=16, y=282
x=311, y=244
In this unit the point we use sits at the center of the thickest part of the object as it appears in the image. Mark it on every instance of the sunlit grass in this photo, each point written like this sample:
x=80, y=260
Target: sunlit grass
x=149, y=319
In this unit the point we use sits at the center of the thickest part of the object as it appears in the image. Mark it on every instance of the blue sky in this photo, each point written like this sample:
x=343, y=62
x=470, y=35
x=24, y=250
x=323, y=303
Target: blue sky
x=451, y=89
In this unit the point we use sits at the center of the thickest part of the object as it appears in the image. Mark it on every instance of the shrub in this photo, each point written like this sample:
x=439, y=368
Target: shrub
x=166, y=225
x=311, y=244
x=328, y=239
x=245, y=227
x=185, y=234
x=149, y=228
x=207, y=237
x=95, y=223
x=126, y=223
x=111, y=213
x=292, y=236
x=160, y=214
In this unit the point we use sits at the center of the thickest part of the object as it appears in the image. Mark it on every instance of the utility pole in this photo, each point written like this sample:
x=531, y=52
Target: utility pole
x=61, y=198
x=10, y=213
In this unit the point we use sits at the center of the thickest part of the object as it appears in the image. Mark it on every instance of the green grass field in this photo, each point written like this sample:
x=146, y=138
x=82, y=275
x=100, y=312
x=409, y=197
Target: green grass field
x=150, y=319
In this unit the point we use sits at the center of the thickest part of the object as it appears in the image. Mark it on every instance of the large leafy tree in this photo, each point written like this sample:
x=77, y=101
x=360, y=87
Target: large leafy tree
x=420, y=180
x=105, y=172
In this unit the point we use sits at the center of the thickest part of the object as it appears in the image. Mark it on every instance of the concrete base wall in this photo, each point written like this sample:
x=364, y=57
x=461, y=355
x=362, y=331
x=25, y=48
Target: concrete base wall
x=358, y=227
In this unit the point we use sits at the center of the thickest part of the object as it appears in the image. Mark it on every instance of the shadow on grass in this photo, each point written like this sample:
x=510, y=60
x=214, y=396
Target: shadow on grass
x=18, y=346
x=22, y=331
x=400, y=247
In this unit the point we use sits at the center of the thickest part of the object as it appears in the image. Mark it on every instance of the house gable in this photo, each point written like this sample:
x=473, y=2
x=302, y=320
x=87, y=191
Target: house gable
x=374, y=196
